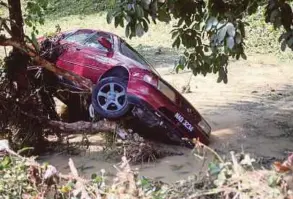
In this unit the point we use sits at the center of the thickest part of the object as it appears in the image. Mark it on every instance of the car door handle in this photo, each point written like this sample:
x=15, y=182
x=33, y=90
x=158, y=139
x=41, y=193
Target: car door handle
x=77, y=49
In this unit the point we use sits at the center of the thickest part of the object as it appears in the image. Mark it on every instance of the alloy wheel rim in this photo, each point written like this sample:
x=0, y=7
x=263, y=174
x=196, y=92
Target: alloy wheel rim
x=112, y=97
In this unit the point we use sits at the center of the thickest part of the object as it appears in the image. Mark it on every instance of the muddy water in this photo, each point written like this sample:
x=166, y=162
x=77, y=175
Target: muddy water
x=169, y=169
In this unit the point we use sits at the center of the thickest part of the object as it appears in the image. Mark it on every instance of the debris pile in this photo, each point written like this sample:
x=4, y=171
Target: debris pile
x=137, y=149
x=25, y=178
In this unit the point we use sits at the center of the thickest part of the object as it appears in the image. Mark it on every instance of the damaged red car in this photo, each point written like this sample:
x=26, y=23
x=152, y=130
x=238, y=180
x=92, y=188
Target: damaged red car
x=126, y=83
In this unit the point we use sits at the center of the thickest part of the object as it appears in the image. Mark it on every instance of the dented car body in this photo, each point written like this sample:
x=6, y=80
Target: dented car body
x=126, y=82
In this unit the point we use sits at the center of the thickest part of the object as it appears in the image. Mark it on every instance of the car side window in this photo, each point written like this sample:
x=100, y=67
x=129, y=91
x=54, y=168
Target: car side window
x=94, y=43
x=79, y=36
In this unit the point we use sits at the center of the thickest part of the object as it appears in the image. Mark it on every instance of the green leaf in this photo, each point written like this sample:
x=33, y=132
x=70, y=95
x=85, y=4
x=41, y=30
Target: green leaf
x=221, y=34
x=145, y=25
x=144, y=182
x=176, y=43
x=5, y=162
x=180, y=22
x=146, y=4
x=283, y=45
x=238, y=38
x=164, y=16
x=139, y=11
x=231, y=29
x=214, y=169
x=242, y=29
x=116, y=21
x=127, y=31
x=285, y=36
x=175, y=34
x=93, y=176
x=274, y=15
x=243, y=55
x=272, y=181
x=182, y=60
x=230, y=42
x=98, y=179
x=211, y=22
x=179, y=67
x=290, y=42
x=109, y=17
x=139, y=30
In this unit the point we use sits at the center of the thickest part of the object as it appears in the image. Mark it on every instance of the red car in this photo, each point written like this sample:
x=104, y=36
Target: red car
x=125, y=82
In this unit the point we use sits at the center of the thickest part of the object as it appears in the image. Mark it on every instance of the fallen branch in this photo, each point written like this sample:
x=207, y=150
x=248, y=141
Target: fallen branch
x=81, y=81
x=66, y=128
x=88, y=127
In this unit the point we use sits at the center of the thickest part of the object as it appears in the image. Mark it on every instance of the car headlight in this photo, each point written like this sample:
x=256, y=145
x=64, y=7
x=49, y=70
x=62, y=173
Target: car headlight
x=167, y=91
x=151, y=80
x=205, y=126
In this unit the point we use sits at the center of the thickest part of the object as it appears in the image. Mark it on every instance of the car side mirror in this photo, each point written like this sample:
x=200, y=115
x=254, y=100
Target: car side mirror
x=105, y=43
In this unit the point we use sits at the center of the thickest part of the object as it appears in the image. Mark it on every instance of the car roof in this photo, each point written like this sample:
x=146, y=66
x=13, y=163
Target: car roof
x=87, y=29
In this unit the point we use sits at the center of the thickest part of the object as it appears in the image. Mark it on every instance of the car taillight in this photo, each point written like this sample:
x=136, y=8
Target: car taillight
x=205, y=126
x=151, y=80
x=167, y=91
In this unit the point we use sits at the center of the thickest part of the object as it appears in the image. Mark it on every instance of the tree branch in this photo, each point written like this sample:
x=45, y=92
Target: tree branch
x=88, y=127
x=84, y=83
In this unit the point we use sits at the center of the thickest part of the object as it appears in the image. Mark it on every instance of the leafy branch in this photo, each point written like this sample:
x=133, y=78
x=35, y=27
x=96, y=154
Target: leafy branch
x=210, y=31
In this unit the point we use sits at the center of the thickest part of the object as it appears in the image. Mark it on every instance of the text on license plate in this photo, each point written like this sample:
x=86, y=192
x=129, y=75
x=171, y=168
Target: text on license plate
x=184, y=122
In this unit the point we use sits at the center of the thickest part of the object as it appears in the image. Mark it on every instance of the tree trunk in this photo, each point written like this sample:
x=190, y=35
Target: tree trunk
x=15, y=15
x=17, y=64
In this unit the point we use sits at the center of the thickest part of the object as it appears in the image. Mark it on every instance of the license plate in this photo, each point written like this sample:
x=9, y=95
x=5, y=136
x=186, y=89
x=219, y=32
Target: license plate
x=184, y=122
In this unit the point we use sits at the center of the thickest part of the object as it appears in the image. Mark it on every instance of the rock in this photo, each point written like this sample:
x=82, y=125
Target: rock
x=4, y=144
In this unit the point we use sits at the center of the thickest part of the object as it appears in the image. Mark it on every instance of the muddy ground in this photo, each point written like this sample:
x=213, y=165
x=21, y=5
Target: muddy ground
x=252, y=113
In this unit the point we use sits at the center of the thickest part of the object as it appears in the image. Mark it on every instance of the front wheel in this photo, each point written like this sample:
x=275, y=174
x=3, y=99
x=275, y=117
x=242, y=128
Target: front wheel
x=109, y=98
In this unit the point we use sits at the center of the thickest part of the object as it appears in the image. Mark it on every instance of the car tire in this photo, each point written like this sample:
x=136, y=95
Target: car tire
x=109, y=98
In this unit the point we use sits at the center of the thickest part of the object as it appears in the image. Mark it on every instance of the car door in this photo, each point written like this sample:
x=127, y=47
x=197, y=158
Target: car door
x=70, y=58
x=95, y=59
x=86, y=56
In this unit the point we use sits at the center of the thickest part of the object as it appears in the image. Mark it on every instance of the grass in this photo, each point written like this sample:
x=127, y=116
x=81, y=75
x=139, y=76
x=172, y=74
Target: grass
x=61, y=8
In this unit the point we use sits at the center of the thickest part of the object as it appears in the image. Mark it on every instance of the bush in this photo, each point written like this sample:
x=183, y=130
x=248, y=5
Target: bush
x=261, y=38
x=62, y=8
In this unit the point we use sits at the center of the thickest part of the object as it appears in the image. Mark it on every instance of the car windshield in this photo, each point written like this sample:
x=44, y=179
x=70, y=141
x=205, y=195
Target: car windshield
x=94, y=43
x=131, y=53
x=79, y=36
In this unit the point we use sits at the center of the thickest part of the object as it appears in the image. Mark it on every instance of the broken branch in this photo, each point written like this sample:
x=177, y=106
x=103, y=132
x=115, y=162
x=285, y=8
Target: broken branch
x=81, y=81
x=89, y=127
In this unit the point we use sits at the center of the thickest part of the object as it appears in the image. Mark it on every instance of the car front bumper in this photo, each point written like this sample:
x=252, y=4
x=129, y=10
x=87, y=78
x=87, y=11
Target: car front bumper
x=162, y=117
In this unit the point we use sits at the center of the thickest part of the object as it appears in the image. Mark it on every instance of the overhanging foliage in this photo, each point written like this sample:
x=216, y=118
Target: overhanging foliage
x=211, y=31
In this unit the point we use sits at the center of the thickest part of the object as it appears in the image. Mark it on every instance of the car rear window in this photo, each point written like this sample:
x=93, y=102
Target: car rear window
x=129, y=52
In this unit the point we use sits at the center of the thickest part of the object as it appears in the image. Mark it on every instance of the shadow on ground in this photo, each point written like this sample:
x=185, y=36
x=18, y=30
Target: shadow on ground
x=262, y=125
